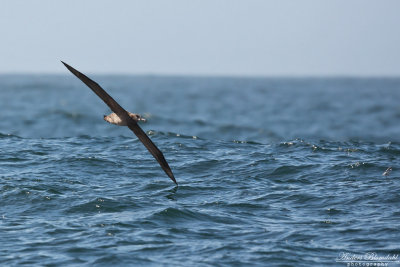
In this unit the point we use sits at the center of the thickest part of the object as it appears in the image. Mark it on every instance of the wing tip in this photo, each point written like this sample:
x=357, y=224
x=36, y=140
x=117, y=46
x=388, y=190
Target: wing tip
x=171, y=175
x=71, y=69
x=77, y=73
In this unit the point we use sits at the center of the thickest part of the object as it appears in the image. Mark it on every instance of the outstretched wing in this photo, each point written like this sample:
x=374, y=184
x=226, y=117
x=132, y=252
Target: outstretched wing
x=151, y=147
x=122, y=113
x=114, y=106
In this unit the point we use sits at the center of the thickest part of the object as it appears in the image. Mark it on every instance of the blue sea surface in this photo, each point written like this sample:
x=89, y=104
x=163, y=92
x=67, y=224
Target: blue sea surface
x=271, y=172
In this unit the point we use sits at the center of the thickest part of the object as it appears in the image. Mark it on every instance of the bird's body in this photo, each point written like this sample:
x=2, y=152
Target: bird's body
x=123, y=118
x=115, y=119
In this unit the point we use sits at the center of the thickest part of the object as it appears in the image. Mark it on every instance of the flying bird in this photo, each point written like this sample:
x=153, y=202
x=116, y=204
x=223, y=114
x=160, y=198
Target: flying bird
x=123, y=118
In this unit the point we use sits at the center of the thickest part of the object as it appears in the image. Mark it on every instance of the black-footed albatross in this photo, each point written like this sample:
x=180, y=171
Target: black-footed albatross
x=123, y=118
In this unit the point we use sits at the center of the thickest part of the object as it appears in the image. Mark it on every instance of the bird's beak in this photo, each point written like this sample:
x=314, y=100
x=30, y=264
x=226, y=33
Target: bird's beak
x=142, y=119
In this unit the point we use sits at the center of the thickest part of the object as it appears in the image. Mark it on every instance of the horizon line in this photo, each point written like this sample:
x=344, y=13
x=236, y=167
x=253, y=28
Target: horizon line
x=210, y=75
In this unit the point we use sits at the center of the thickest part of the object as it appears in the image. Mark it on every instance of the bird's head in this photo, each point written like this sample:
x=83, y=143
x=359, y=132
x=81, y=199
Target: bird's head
x=137, y=117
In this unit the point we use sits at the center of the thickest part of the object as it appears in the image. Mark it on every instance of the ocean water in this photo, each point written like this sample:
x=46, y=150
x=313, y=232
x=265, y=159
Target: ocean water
x=271, y=172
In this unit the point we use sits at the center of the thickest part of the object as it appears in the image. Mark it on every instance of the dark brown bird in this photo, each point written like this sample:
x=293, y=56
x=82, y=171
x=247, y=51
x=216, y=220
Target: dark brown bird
x=124, y=118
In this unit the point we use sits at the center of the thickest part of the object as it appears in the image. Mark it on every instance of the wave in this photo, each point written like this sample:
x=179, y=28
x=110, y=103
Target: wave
x=348, y=146
x=6, y=136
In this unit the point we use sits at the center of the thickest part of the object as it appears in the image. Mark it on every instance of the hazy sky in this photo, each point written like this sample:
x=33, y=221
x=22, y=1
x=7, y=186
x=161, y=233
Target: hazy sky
x=202, y=37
